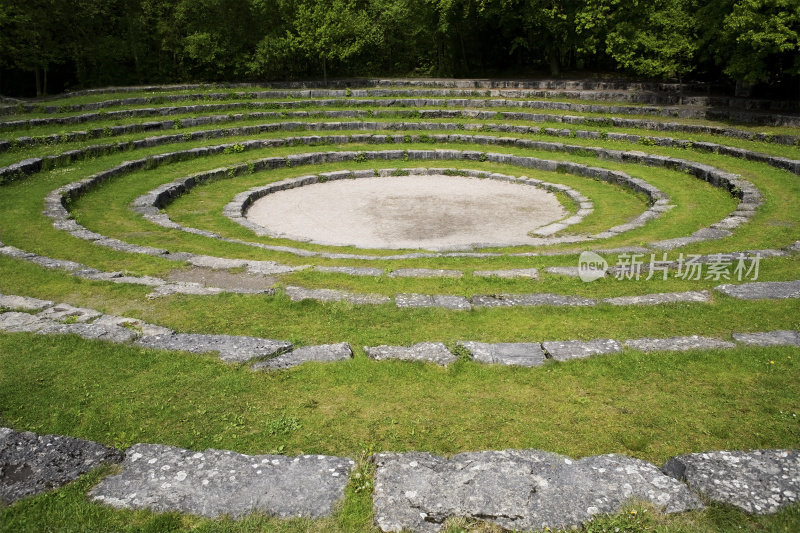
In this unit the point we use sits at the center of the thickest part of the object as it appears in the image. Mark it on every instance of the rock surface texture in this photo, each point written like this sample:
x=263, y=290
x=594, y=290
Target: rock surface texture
x=326, y=353
x=769, y=338
x=432, y=352
x=566, y=350
x=506, y=353
x=757, y=482
x=230, y=348
x=30, y=463
x=515, y=489
x=771, y=290
x=678, y=344
x=214, y=482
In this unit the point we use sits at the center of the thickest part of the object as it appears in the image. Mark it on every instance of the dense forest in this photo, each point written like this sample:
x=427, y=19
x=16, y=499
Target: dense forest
x=53, y=45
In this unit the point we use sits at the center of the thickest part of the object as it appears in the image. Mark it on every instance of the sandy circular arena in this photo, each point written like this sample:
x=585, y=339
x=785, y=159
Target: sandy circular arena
x=427, y=212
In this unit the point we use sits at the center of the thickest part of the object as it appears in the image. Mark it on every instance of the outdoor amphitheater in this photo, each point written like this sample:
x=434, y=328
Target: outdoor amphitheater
x=400, y=305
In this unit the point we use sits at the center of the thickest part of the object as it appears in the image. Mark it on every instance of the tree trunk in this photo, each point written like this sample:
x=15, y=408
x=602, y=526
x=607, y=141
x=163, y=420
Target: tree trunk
x=44, y=82
x=555, y=64
x=464, y=64
x=38, y=81
x=324, y=72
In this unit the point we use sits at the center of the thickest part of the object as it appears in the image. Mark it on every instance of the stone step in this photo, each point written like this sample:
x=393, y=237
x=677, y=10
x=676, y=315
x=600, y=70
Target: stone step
x=278, y=354
x=232, y=349
x=678, y=344
x=506, y=353
x=757, y=482
x=515, y=489
x=325, y=353
x=769, y=338
x=431, y=352
x=566, y=350
x=216, y=482
x=31, y=464
x=771, y=290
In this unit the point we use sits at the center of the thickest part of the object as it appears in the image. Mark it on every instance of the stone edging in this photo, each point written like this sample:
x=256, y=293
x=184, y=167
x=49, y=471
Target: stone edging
x=750, y=196
x=656, y=98
x=339, y=99
x=236, y=210
x=777, y=161
x=416, y=491
x=63, y=319
x=745, y=291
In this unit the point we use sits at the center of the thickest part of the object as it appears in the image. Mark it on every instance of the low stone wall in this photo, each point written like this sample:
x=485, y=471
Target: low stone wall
x=414, y=491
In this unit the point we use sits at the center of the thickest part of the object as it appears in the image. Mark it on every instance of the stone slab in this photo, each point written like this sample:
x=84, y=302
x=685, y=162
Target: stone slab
x=444, y=301
x=566, y=350
x=529, y=300
x=16, y=322
x=676, y=344
x=424, y=273
x=449, y=301
x=661, y=298
x=232, y=349
x=432, y=352
x=528, y=273
x=31, y=464
x=143, y=328
x=183, y=287
x=769, y=338
x=297, y=294
x=771, y=290
x=66, y=312
x=325, y=353
x=757, y=482
x=103, y=332
x=269, y=268
x=351, y=271
x=571, y=271
x=515, y=489
x=506, y=353
x=23, y=303
x=411, y=300
x=215, y=482
x=216, y=263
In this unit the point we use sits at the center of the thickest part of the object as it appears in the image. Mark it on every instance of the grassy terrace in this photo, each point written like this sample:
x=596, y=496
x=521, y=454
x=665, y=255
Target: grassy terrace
x=646, y=405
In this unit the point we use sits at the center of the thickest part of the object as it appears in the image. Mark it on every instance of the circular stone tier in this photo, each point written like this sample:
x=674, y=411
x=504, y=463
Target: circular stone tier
x=429, y=212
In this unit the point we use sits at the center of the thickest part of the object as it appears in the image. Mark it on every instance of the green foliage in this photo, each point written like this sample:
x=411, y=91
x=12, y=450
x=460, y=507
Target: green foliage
x=647, y=141
x=234, y=149
x=282, y=425
x=762, y=39
x=138, y=41
x=652, y=39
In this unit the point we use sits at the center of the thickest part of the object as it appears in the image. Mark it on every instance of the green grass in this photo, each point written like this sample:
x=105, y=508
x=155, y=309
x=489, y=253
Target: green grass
x=650, y=406
x=631, y=403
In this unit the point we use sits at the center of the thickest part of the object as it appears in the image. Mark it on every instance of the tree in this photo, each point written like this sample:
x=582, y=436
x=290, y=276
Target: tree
x=650, y=38
x=544, y=30
x=30, y=37
x=330, y=31
x=760, y=40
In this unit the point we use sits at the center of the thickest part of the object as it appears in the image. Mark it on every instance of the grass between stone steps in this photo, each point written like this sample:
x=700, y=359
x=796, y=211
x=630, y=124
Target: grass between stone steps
x=407, y=112
x=40, y=150
x=310, y=322
x=629, y=403
x=725, y=203
x=651, y=406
